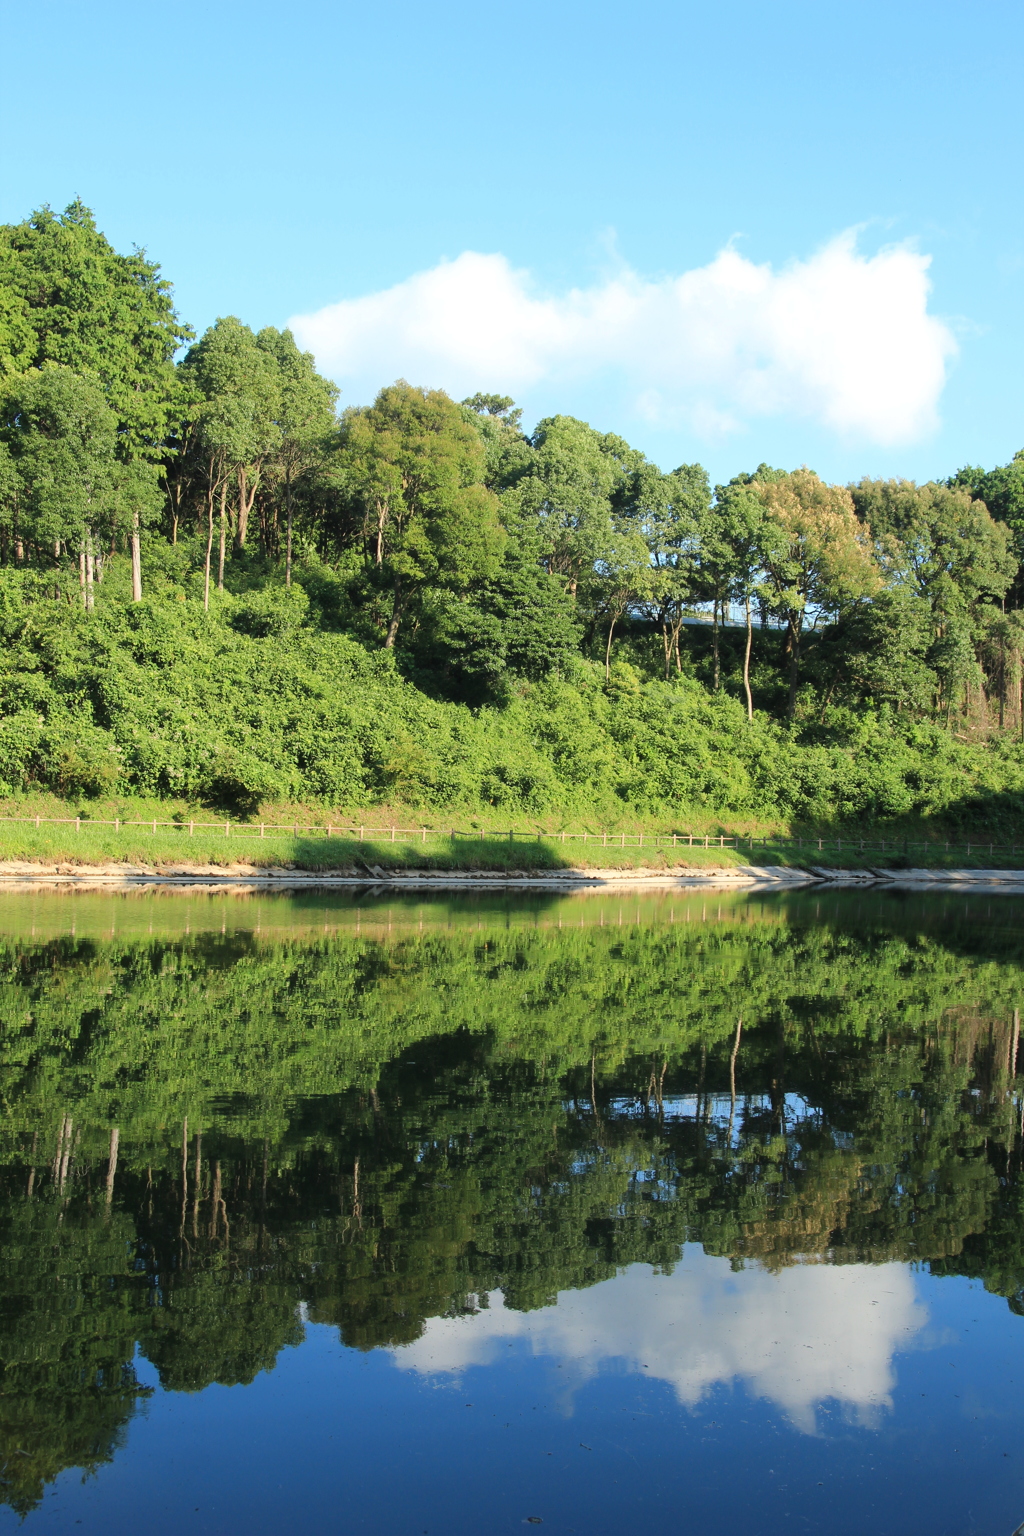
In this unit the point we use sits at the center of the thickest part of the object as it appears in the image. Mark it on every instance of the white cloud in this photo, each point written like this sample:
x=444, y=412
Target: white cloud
x=841, y=339
x=810, y=1334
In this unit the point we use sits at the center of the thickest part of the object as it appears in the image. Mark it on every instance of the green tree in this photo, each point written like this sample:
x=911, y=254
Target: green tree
x=623, y=577
x=414, y=466
x=816, y=556
x=305, y=419
x=565, y=496
x=670, y=513
x=927, y=534
x=69, y=298
x=66, y=487
x=744, y=540
x=880, y=653
x=519, y=624
x=498, y=420
x=942, y=544
x=1002, y=491
x=236, y=423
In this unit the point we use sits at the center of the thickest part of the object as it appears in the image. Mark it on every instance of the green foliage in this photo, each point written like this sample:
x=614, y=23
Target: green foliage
x=67, y=297
x=414, y=466
x=1002, y=491
x=61, y=481
x=256, y=701
x=541, y=597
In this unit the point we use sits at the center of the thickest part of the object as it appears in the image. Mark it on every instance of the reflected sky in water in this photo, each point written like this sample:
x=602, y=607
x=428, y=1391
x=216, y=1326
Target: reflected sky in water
x=811, y=1334
x=466, y=1216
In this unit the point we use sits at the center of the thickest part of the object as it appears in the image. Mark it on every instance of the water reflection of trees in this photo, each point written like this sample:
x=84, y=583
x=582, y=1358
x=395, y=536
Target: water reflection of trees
x=201, y=1135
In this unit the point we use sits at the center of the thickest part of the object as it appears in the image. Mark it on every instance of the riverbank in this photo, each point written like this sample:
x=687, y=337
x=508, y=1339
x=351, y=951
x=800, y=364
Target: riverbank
x=238, y=875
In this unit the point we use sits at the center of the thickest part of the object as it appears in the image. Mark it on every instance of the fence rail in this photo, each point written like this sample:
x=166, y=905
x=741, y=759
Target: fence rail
x=809, y=844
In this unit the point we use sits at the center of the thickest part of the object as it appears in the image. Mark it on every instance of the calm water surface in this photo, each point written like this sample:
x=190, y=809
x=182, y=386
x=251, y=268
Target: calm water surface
x=380, y=1216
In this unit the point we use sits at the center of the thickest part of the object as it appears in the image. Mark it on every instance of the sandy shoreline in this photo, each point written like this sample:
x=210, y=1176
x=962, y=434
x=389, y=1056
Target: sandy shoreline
x=32, y=875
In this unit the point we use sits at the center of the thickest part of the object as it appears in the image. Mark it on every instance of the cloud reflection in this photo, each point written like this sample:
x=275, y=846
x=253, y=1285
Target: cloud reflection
x=809, y=1334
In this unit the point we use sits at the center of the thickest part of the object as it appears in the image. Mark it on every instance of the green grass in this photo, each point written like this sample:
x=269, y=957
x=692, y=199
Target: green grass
x=92, y=843
x=481, y=842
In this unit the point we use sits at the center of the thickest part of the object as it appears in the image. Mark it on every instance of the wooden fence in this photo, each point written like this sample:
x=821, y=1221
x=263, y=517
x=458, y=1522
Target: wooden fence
x=809, y=844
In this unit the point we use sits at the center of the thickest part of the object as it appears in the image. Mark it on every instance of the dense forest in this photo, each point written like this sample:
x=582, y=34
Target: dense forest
x=216, y=587
x=203, y=1129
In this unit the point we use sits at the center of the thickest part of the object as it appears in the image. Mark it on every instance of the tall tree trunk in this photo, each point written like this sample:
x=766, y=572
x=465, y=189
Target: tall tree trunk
x=732, y=1078
x=90, y=601
x=209, y=539
x=288, y=536
x=246, y=497
x=81, y=573
x=746, y=660
x=223, y=533
x=793, y=646
x=136, y=560
x=115, y=1137
x=716, y=669
x=396, y=616
x=608, y=650
x=378, y=548
x=197, y=1180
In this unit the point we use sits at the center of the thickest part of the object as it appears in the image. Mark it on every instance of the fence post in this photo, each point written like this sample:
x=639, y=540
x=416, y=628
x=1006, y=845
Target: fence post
x=392, y=833
x=227, y=825
x=117, y=823
x=78, y=823
x=424, y=837
x=263, y=829
x=361, y=831
x=37, y=823
x=191, y=828
x=154, y=825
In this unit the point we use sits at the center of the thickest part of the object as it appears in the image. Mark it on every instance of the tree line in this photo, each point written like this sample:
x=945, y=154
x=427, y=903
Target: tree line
x=472, y=547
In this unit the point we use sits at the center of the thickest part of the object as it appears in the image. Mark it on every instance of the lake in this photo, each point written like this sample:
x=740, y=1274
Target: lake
x=377, y=1214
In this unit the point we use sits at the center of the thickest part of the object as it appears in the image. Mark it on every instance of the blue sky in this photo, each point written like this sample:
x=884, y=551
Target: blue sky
x=279, y=161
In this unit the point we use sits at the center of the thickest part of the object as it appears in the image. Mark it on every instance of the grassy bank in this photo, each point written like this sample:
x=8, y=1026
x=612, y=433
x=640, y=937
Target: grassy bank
x=160, y=834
